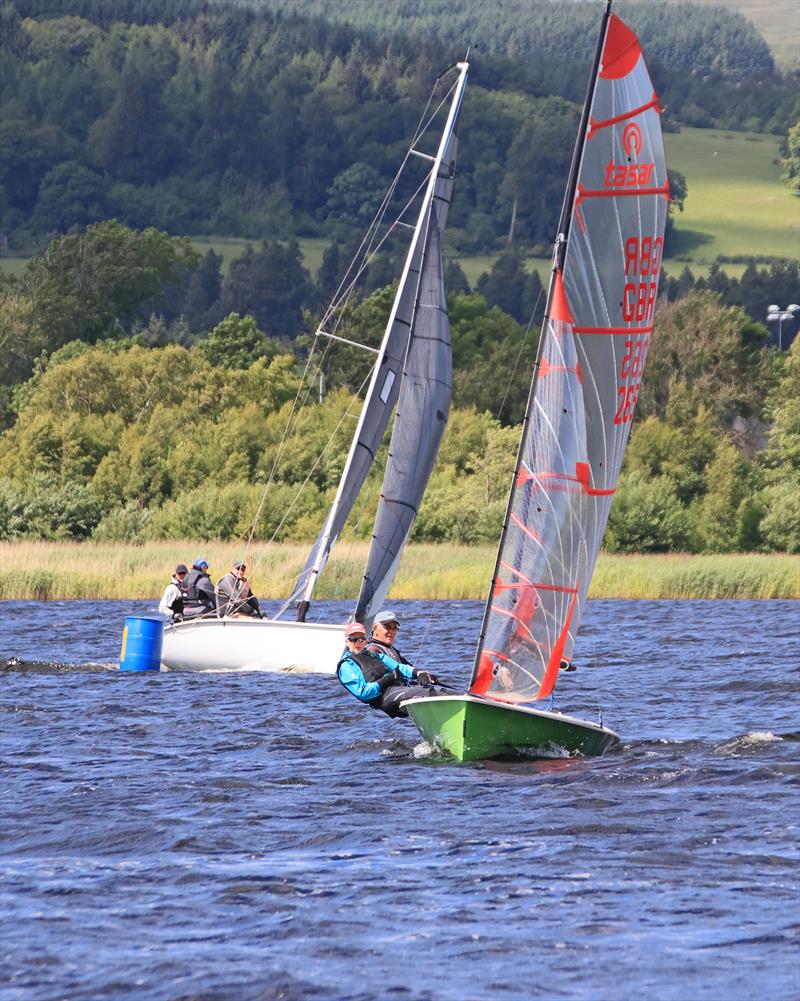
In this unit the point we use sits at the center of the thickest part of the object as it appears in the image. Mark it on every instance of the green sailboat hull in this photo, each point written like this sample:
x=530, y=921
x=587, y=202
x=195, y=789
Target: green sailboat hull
x=470, y=728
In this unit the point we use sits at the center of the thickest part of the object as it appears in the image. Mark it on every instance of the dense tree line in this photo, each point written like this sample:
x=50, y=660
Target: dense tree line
x=218, y=118
x=111, y=282
x=145, y=394
x=117, y=440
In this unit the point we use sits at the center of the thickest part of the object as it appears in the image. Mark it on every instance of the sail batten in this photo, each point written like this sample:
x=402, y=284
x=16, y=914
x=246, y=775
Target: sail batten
x=599, y=320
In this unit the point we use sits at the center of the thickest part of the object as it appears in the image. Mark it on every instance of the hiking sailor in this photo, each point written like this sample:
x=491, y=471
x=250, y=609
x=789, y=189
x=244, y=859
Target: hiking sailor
x=200, y=598
x=172, y=600
x=234, y=596
x=384, y=633
x=378, y=679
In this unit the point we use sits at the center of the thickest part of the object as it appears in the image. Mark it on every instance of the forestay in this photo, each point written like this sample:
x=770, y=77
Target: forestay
x=592, y=354
x=399, y=349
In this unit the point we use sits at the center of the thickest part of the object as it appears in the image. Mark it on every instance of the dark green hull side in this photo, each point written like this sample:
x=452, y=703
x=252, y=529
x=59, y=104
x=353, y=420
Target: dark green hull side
x=471, y=728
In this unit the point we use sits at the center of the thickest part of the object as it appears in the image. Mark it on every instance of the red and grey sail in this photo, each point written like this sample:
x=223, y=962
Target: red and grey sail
x=592, y=354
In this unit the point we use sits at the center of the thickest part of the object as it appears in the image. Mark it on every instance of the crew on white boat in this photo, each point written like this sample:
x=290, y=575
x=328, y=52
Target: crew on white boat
x=200, y=599
x=234, y=596
x=376, y=678
x=172, y=600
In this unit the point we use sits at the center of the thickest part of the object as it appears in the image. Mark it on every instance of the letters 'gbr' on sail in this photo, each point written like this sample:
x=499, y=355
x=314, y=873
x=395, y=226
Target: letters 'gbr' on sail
x=593, y=350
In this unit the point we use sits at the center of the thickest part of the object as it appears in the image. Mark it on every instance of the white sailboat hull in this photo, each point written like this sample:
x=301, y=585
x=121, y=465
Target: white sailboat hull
x=240, y=644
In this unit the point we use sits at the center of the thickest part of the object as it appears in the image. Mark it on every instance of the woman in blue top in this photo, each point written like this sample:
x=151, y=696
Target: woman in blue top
x=376, y=678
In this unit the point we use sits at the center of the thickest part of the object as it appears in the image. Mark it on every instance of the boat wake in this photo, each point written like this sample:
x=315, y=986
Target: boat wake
x=50, y=666
x=748, y=742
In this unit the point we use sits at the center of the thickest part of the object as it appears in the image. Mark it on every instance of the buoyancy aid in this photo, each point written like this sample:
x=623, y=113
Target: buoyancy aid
x=372, y=668
x=195, y=594
x=393, y=652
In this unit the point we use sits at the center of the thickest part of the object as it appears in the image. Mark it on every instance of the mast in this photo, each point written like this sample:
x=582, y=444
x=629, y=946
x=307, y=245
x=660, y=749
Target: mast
x=559, y=252
x=384, y=384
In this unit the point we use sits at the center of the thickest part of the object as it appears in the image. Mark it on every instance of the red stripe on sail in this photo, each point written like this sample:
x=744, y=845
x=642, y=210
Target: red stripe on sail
x=484, y=675
x=528, y=531
x=526, y=585
x=582, y=475
x=553, y=665
x=559, y=308
x=583, y=193
x=520, y=623
x=620, y=52
x=556, y=587
x=595, y=126
x=517, y=572
x=524, y=475
x=611, y=331
x=546, y=367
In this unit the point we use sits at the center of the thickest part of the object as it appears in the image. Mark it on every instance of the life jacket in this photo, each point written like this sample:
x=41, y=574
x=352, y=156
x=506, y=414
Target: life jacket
x=178, y=601
x=372, y=669
x=194, y=595
x=392, y=651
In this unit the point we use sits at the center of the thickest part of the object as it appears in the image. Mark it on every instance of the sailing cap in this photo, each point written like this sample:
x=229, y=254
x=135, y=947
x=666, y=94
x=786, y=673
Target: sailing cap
x=181, y=568
x=201, y=563
x=383, y=617
x=354, y=629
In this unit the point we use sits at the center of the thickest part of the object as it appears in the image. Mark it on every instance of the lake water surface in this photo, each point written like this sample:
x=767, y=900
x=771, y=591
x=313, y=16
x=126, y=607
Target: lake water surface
x=249, y=836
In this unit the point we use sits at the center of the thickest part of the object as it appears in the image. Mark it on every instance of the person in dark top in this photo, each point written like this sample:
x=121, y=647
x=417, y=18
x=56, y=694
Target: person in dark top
x=376, y=678
x=384, y=633
x=199, y=598
x=234, y=596
x=174, y=594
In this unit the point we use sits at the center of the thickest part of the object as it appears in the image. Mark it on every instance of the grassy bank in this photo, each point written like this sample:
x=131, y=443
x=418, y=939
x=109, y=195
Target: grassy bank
x=49, y=571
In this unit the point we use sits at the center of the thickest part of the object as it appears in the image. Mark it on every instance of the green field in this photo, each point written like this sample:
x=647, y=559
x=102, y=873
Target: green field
x=736, y=203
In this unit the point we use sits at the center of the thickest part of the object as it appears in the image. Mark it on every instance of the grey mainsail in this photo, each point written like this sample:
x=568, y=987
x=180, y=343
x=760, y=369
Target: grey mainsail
x=421, y=413
x=394, y=354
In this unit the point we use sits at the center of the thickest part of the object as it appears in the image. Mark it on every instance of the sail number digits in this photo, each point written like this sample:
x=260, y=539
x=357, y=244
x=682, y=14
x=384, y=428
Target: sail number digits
x=631, y=367
x=642, y=261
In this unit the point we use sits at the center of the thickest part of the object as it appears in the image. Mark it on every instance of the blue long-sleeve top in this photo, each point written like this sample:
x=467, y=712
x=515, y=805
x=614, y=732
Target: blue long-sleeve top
x=352, y=676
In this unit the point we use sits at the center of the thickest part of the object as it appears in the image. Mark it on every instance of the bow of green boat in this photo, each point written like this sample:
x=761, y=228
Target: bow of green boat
x=471, y=728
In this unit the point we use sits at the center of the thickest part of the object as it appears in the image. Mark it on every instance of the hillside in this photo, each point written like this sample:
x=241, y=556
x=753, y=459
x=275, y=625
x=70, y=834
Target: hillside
x=777, y=21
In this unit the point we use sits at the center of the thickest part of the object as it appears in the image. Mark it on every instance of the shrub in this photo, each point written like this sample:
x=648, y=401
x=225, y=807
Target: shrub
x=647, y=517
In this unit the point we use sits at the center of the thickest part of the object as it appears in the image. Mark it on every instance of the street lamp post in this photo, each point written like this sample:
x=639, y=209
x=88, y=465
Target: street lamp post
x=775, y=314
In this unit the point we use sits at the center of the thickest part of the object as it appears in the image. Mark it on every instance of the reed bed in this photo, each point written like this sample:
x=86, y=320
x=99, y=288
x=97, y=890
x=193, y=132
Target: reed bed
x=59, y=571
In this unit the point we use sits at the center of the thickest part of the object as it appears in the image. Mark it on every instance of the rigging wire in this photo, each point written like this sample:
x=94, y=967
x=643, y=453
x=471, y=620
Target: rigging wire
x=368, y=248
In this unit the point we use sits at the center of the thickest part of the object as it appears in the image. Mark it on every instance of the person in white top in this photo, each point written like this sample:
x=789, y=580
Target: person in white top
x=174, y=594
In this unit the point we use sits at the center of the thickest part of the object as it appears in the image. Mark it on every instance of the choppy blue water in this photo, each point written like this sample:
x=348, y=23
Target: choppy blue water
x=251, y=836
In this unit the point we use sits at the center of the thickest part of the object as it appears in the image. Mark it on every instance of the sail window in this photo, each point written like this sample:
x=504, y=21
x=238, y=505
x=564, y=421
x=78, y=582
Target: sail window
x=388, y=382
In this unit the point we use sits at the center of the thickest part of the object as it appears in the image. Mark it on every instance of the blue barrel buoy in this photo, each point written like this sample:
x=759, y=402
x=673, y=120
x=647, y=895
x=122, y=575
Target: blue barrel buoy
x=141, y=644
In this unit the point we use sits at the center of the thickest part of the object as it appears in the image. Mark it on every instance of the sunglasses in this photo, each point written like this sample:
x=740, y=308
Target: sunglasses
x=357, y=639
